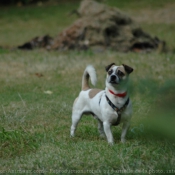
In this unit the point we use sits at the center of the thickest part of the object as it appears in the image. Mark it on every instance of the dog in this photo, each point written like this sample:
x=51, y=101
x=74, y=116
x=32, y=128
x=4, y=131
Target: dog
x=111, y=106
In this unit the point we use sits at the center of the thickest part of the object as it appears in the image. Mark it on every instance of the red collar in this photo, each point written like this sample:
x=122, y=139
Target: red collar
x=118, y=95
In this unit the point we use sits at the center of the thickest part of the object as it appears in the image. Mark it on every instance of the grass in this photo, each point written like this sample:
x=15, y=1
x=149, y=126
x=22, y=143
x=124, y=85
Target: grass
x=136, y=5
x=35, y=124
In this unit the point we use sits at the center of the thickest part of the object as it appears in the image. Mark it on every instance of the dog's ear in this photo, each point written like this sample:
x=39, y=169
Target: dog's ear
x=128, y=69
x=109, y=66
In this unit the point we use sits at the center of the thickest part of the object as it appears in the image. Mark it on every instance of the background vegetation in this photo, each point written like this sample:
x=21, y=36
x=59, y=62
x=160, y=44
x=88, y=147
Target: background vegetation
x=20, y=2
x=38, y=89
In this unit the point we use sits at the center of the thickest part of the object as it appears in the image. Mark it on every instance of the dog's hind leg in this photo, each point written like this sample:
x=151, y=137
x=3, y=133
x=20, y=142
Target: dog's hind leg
x=76, y=116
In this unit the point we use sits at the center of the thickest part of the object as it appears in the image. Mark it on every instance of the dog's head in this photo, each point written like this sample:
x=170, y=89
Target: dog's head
x=117, y=75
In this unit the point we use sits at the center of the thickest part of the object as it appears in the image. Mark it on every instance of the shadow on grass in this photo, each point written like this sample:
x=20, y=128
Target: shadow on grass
x=160, y=120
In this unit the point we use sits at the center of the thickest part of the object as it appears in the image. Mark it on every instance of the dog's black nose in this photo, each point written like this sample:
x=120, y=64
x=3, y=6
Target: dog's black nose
x=113, y=78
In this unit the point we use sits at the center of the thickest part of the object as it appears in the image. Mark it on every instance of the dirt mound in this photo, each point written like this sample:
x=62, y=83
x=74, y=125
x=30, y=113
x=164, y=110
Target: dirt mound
x=102, y=27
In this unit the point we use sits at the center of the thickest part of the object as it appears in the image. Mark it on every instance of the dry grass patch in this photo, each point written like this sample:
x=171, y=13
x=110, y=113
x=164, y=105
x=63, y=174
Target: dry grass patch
x=165, y=15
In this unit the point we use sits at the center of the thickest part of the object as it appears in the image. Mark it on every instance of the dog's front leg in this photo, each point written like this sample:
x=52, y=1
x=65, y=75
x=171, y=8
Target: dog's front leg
x=124, y=131
x=101, y=129
x=107, y=129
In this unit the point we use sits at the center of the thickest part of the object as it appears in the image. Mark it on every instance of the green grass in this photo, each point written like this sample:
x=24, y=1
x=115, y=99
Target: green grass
x=136, y=5
x=23, y=23
x=34, y=125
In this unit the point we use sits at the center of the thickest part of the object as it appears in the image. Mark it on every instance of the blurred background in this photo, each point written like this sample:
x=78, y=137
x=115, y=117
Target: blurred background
x=38, y=87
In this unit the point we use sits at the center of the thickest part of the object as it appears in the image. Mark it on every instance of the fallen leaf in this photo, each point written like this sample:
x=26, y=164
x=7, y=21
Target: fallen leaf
x=39, y=74
x=48, y=92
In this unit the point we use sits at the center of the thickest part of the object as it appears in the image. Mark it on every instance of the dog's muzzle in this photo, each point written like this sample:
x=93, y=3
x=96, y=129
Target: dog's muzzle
x=114, y=79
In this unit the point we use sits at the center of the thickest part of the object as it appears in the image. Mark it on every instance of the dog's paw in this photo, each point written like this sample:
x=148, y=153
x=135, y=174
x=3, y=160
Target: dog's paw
x=72, y=136
x=123, y=140
x=111, y=143
x=103, y=136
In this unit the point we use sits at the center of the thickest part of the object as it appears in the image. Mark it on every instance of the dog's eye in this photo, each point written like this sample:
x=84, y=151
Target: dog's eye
x=110, y=72
x=120, y=73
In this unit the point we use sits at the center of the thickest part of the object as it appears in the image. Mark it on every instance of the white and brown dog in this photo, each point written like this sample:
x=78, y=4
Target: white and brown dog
x=111, y=106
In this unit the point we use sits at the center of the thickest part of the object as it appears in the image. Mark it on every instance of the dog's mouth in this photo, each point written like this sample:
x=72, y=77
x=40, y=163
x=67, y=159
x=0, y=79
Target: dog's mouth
x=114, y=79
x=113, y=82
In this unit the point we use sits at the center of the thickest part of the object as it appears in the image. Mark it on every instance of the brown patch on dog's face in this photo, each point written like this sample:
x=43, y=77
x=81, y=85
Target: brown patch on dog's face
x=109, y=66
x=93, y=93
x=121, y=71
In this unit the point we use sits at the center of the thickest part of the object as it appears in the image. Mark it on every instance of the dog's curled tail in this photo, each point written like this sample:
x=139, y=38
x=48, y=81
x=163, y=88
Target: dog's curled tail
x=89, y=71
